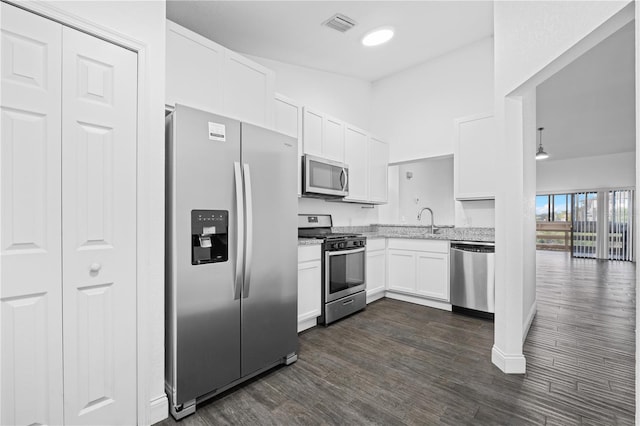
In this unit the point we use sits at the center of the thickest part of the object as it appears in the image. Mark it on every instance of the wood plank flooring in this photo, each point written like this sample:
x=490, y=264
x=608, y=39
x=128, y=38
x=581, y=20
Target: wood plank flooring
x=398, y=363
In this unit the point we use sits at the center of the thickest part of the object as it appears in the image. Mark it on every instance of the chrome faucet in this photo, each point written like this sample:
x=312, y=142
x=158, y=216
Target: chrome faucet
x=433, y=228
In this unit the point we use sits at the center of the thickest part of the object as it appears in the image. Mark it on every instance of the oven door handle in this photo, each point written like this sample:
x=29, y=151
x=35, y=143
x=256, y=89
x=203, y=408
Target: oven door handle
x=341, y=252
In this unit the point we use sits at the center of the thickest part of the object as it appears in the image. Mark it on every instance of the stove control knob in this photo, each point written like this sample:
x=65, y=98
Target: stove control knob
x=341, y=245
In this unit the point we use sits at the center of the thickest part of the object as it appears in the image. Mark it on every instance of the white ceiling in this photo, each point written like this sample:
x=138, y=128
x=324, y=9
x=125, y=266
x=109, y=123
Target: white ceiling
x=588, y=108
x=291, y=31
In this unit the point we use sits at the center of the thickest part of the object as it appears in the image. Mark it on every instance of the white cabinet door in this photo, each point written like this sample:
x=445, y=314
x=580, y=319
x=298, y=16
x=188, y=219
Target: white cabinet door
x=30, y=244
x=313, y=131
x=376, y=274
x=356, y=157
x=193, y=70
x=99, y=221
x=432, y=275
x=248, y=89
x=378, y=170
x=288, y=120
x=402, y=271
x=333, y=143
x=474, y=157
x=309, y=286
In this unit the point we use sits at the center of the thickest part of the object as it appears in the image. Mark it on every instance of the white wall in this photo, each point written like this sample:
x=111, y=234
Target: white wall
x=431, y=186
x=586, y=173
x=475, y=214
x=415, y=109
x=346, y=98
x=143, y=21
x=529, y=36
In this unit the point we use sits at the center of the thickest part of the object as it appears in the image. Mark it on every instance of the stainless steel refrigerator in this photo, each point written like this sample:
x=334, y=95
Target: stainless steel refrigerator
x=231, y=254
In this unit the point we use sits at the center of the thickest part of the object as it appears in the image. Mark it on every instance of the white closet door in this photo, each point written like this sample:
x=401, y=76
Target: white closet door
x=99, y=228
x=30, y=269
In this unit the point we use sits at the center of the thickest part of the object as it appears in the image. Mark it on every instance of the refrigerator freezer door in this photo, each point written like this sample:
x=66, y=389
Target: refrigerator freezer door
x=269, y=312
x=206, y=313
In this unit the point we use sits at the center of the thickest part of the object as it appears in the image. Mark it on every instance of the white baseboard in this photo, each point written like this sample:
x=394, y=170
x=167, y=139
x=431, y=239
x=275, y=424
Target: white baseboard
x=307, y=324
x=418, y=300
x=158, y=409
x=510, y=364
x=529, y=320
x=375, y=295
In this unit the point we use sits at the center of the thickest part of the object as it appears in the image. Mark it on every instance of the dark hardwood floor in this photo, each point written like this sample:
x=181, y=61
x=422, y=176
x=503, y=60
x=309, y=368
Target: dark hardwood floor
x=399, y=363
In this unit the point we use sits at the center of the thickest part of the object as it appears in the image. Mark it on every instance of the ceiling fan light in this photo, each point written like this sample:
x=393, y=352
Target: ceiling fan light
x=377, y=36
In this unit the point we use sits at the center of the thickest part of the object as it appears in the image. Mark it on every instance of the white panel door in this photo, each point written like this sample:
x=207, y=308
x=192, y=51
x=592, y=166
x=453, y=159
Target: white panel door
x=356, y=147
x=432, y=275
x=402, y=271
x=378, y=170
x=99, y=227
x=248, y=90
x=31, y=274
x=333, y=143
x=194, y=70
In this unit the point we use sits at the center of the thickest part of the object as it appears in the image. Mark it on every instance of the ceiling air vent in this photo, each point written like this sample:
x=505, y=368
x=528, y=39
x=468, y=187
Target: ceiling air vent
x=340, y=22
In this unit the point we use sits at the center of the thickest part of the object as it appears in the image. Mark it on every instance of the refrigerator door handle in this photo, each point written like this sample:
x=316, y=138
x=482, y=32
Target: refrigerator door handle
x=249, y=246
x=237, y=289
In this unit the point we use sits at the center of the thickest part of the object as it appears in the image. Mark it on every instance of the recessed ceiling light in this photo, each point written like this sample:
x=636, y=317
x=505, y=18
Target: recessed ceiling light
x=378, y=36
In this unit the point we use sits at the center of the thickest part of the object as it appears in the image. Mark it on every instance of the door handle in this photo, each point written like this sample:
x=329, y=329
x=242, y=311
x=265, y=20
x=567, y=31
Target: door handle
x=249, y=246
x=237, y=283
x=346, y=178
x=95, y=268
x=348, y=302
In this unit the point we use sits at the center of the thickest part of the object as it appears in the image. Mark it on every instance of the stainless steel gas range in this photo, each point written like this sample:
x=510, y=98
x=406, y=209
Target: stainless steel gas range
x=344, y=281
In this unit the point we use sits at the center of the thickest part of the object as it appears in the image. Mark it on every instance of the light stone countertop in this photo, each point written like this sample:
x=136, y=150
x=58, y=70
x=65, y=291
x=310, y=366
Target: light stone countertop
x=421, y=232
x=447, y=233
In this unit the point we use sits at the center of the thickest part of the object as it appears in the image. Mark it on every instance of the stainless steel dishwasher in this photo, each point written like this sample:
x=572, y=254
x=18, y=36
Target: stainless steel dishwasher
x=473, y=278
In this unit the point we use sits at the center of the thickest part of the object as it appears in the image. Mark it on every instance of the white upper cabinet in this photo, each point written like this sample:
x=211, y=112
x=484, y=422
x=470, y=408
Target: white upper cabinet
x=333, y=144
x=288, y=120
x=356, y=148
x=323, y=135
x=378, y=170
x=474, y=157
x=313, y=131
x=248, y=90
x=194, y=70
x=205, y=75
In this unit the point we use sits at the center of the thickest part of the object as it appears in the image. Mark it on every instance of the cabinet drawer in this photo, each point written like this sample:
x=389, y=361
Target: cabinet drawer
x=437, y=246
x=376, y=244
x=307, y=253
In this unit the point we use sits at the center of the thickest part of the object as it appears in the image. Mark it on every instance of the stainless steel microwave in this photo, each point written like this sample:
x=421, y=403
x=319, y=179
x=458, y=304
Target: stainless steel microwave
x=324, y=178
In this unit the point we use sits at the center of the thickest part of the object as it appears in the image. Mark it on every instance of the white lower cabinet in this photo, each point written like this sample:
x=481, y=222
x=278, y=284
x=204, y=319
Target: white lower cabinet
x=309, y=286
x=419, y=268
x=376, y=268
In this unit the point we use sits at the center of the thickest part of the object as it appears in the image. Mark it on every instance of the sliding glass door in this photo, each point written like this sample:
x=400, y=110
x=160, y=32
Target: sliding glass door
x=603, y=225
x=585, y=224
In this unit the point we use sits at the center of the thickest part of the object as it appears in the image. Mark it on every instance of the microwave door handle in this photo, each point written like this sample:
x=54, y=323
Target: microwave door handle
x=249, y=247
x=346, y=178
x=240, y=227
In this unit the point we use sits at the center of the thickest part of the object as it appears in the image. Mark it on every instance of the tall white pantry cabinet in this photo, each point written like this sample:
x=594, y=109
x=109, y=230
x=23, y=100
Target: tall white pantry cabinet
x=67, y=225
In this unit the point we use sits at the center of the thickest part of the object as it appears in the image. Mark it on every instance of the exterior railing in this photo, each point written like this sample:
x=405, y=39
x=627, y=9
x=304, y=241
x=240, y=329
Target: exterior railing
x=553, y=236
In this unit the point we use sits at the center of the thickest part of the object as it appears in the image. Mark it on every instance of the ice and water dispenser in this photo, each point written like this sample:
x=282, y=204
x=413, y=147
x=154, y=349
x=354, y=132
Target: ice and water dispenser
x=209, y=236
